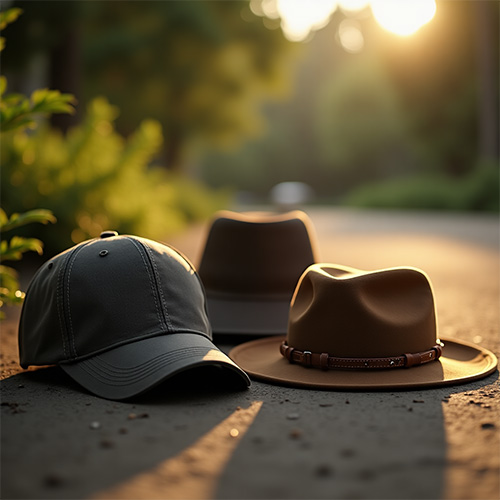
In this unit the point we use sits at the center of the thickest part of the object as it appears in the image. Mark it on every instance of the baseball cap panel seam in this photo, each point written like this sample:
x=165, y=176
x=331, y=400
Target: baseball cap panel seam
x=71, y=263
x=60, y=305
x=164, y=321
x=65, y=295
x=163, y=302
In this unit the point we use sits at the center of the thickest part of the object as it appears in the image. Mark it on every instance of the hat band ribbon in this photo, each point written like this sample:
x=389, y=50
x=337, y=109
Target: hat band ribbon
x=327, y=362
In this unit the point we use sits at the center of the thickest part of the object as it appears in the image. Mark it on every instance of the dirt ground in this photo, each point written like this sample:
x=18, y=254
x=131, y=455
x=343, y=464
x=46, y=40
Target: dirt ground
x=193, y=438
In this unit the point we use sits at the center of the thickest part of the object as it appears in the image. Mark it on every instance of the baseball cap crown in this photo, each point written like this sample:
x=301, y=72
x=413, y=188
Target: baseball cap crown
x=108, y=292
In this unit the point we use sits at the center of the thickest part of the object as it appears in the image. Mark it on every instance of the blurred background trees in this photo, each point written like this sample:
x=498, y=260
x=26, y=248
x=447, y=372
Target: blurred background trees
x=181, y=103
x=376, y=118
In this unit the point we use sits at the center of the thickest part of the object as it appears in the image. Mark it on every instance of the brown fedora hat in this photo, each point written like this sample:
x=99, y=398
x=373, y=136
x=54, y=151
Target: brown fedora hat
x=250, y=266
x=355, y=330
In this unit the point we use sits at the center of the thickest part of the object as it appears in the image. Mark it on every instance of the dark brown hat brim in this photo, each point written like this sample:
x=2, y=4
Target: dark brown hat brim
x=232, y=315
x=460, y=362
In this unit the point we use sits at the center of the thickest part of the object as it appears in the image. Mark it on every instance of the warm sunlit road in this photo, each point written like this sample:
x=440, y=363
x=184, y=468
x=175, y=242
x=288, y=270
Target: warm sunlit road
x=272, y=442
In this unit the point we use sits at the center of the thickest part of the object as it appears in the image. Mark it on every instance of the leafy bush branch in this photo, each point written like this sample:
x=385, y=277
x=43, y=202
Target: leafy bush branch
x=18, y=112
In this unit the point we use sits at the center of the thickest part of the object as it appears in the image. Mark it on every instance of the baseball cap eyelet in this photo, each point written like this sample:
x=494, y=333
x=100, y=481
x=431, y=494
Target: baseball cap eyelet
x=103, y=253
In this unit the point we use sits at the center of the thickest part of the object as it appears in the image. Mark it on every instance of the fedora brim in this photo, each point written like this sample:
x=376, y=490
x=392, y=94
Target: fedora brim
x=253, y=316
x=460, y=362
x=131, y=369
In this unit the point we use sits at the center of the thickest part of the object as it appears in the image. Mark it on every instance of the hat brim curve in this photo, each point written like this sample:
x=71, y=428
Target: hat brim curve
x=131, y=369
x=252, y=316
x=460, y=362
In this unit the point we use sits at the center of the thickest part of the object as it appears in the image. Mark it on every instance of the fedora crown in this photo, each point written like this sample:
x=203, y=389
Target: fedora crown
x=350, y=313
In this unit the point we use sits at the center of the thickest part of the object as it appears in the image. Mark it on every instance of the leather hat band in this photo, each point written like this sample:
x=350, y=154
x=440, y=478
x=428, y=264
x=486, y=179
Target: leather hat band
x=327, y=362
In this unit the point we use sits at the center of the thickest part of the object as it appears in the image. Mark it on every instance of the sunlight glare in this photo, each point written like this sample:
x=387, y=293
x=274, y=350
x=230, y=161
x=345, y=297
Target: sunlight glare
x=350, y=36
x=353, y=5
x=403, y=17
x=299, y=18
x=194, y=472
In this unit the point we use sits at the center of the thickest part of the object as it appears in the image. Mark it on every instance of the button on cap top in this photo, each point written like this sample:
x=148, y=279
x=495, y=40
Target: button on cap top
x=108, y=234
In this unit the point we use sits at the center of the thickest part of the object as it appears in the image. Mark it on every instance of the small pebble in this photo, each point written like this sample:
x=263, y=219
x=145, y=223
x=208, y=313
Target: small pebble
x=95, y=425
x=52, y=481
x=106, y=443
x=488, y=425
x=325, y=405
x=347, y=402
x=418, y=401
x=295, y=434
x=323, y=470
x=366, y=475
x=347, y=453
x=123, y=430
x=293, y=416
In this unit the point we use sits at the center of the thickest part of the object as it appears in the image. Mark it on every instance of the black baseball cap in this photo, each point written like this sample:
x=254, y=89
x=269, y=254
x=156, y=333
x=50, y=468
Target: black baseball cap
x=119, y=314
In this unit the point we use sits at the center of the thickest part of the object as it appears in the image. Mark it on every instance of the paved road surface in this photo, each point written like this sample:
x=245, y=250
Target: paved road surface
x=195, y=440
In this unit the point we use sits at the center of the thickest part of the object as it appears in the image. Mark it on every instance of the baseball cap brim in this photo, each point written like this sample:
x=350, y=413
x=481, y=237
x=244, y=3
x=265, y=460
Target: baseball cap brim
x=131, y=369
x=460, y=362
x=253, y=316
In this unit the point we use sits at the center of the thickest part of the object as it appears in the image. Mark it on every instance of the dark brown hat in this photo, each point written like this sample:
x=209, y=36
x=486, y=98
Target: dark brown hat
x=250, y=266
x=351, y=329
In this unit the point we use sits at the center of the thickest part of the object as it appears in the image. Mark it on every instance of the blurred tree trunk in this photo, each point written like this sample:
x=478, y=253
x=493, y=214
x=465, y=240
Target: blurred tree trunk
x=488, y=68
x=65, y=74
x=174, y=150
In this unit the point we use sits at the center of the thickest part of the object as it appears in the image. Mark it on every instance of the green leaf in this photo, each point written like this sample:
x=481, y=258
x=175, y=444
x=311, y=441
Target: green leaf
x=15, y=99
x=19, y=245
x=16, y=220
x=8, y=277
x=9, y=16
x=19, y=122
x=9, y=287
x=3, y=85
x=16, y=110
x=52, y=101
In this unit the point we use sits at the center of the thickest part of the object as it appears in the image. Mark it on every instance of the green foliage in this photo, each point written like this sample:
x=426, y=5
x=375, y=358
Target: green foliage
x=476, y=191
x=200, y=68
x=7, y=17
x=18, y=220
x=95, y=179
x=18, y=111
x=14, y=250
x=361, y=123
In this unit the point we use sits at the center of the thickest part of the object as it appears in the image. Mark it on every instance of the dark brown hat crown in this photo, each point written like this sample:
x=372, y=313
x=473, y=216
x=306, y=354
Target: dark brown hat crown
x=256, y=253
x=350, y=313
x=250, y=266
